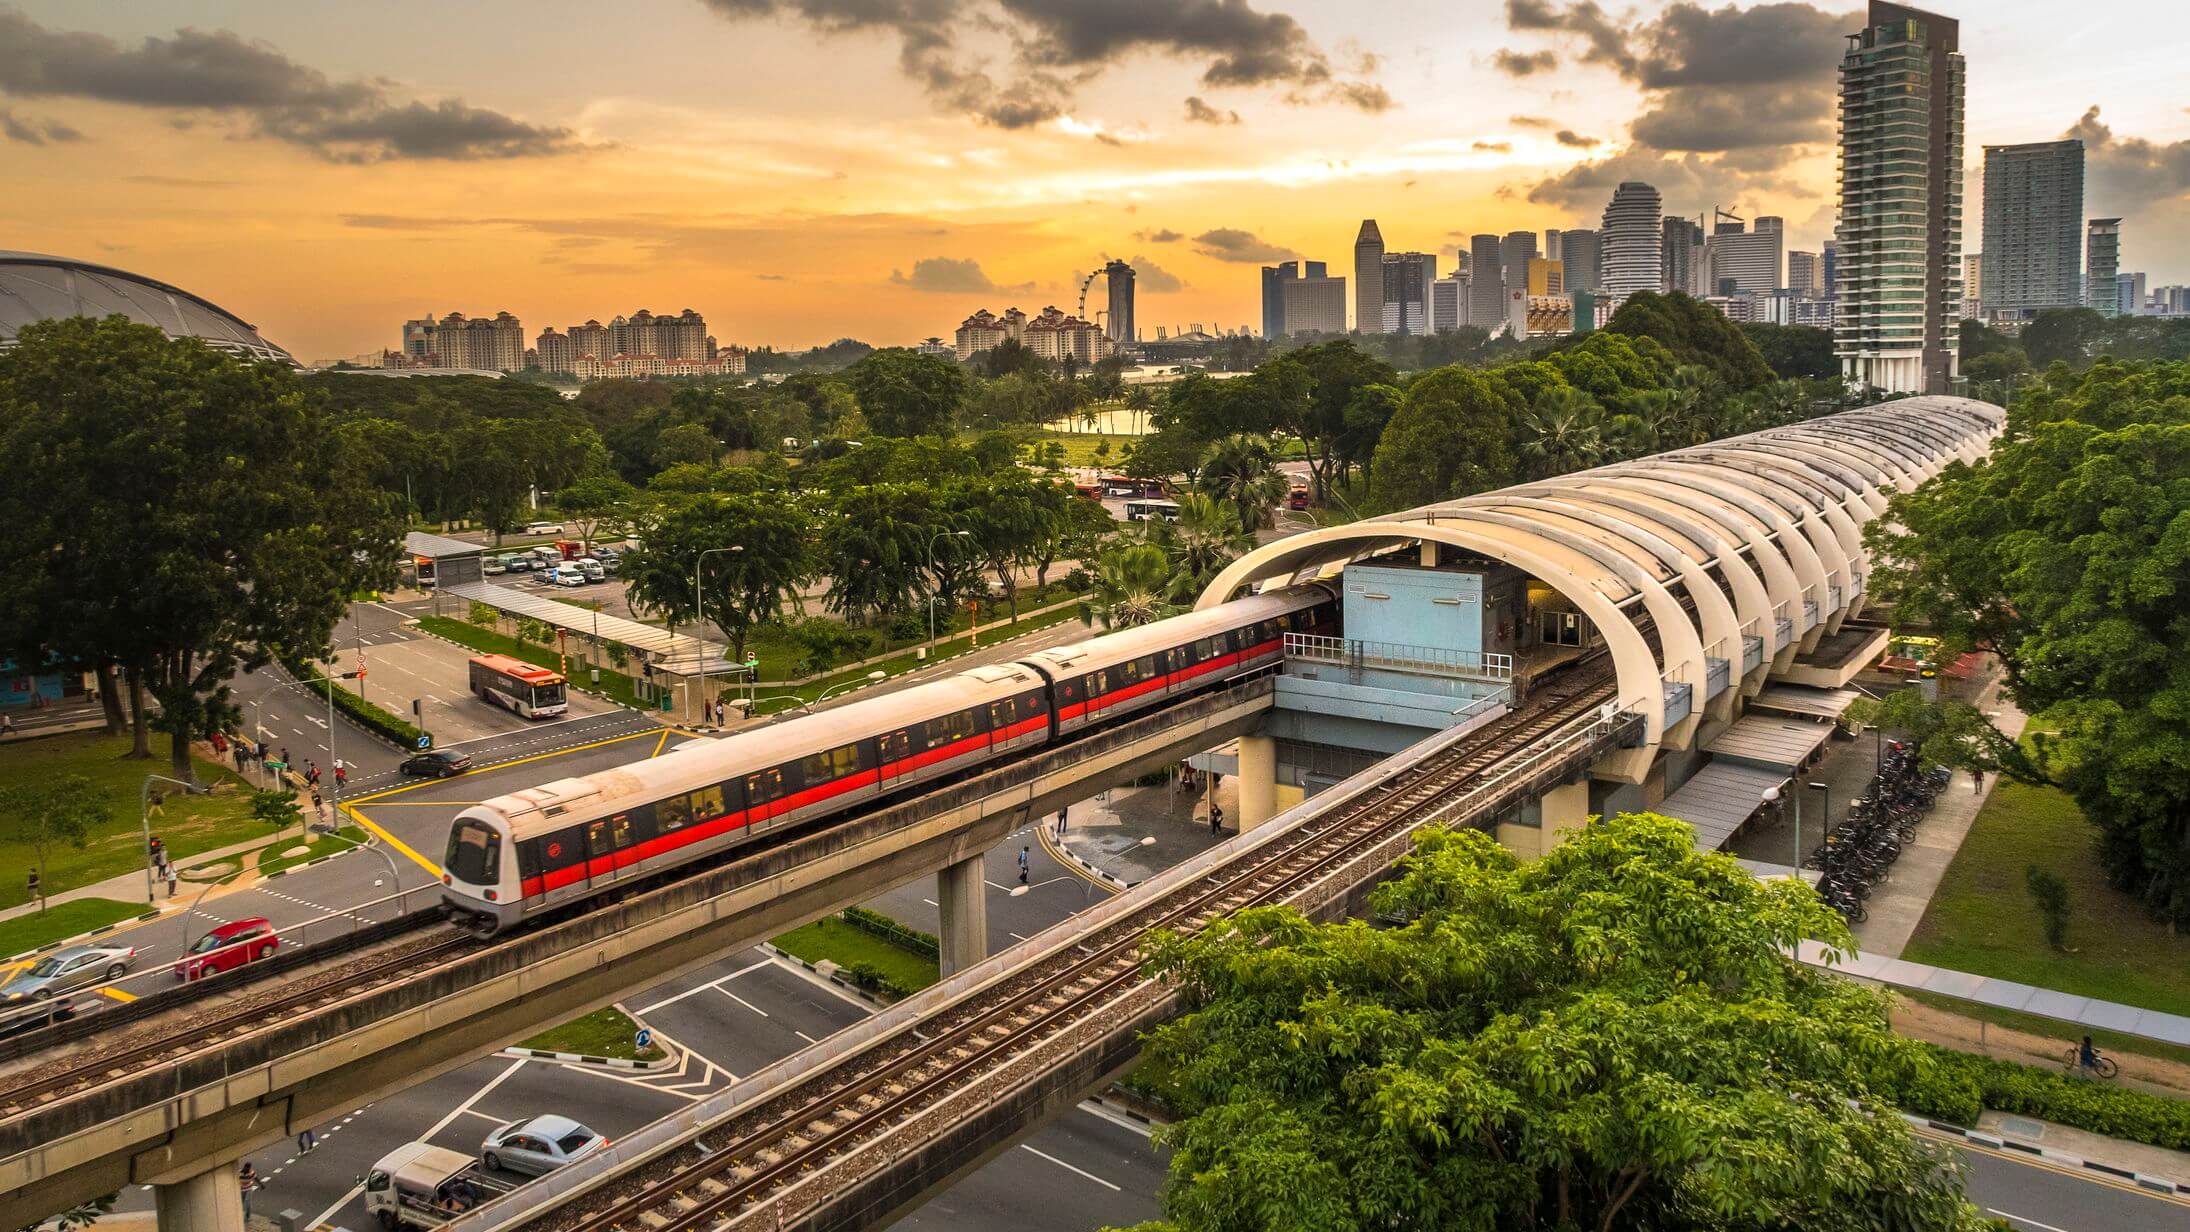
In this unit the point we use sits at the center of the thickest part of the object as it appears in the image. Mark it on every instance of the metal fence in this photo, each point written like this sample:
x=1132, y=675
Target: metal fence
x=1349, y=652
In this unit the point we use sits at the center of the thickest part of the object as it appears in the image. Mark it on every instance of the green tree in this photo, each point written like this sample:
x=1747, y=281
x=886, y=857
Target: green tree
x=2064, y=554
x=1695, y=333
x=1134, y=585
x=594, y=500
x=1794, y=351
x=1242, y=471
x=1337, y=372
x=1600, y=1039
x=1205, y=538
x=1009, y=520
x=758, y=553
x=174, y=512
x=874, y=549
x=685, y=444
x=2062, y=335
x=905, y=393
x=1448, y=439
x=1562, y=432
x=46, y=815
x=1367, y=415
x=277, y=810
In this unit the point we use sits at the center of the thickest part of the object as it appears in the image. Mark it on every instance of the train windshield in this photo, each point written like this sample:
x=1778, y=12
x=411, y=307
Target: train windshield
x=475, y=853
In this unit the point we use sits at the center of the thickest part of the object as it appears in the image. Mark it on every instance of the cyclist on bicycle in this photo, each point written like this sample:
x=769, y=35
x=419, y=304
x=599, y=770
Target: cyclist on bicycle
x=2087, y=1057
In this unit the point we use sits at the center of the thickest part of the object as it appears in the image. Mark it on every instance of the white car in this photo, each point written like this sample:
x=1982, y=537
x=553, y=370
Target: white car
x=544, y=528
x=569, y=575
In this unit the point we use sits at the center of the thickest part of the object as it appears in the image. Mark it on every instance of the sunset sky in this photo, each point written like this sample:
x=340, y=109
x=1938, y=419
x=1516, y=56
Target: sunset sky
x=801, y=170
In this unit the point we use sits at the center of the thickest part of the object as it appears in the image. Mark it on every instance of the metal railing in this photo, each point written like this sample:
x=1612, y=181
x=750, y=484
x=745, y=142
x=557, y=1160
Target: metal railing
x=1349, y=652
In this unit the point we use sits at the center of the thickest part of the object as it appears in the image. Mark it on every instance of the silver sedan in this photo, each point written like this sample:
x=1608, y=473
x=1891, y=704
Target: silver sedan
x=78, y=966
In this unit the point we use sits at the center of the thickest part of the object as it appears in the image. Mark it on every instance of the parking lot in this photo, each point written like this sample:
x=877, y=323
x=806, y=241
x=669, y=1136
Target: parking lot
x=409, y=666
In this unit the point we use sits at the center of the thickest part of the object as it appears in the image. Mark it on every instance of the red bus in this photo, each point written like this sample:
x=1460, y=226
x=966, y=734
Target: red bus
x=518, y=686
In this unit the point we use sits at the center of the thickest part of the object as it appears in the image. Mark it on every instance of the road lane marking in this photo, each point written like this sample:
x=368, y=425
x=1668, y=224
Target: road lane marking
x=438, y=1126
x=492, y=1120
x=693, y=992
x=393, y=841
x=817, y=981
x=2050, y=1165
x=502, y=765
x=2044, y=1227
x=742, y=1001
x=802, y=1035
x=659, y=744
x=116, y=993
x=1069, y=1168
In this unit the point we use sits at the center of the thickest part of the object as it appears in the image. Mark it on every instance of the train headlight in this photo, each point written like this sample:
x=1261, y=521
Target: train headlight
x=492, y=897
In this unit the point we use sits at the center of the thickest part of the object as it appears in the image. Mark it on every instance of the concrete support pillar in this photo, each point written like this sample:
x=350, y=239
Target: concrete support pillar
x=208, y=1202
x=1565, y=810
x=1257, y=781
x=961, y=889
x=1429, y=553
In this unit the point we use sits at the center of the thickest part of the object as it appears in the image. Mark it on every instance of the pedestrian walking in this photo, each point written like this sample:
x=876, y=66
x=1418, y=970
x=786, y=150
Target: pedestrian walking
x=247, y=1179
x=1216, y=818
x=342, y=775
x=307, y=1142
x=156, y=849
x=317, y=807
x=1977, y=782
x=285, y=762
x=1061, y=820
x=1023, y=865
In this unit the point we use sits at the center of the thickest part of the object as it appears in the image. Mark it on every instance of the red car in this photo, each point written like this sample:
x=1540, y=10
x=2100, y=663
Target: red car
x=227, y=948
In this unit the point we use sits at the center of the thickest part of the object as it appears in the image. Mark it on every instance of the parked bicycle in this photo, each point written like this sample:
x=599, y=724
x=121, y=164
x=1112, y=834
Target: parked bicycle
x=1880, y=822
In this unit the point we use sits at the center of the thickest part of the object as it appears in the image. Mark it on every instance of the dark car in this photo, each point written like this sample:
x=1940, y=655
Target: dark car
x=437, y=764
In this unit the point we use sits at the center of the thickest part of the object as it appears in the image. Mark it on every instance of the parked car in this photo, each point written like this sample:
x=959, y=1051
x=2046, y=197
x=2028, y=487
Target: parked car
x=544, y=528
x=435, y=764
x=602, y=551
x=78, y=966
x=568, y=575
x=517, y=563
x=228, y=947
x=492, y=566
x=609, y=565
x=591, y=568
x=538, y=1146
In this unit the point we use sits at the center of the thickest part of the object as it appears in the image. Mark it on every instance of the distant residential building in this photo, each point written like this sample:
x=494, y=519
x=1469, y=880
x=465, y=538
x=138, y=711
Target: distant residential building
x=1515, y=251
x=555, y=352
x=2173, y=301
x=683, y=336
x=1745, y=262
x=2103, y=259
x=1580, y=253
x=457, y=341
x=1973, y=285
x=418, y=337
x=1408, y=277
x=1118, y=276
x=1368, y=280
x=1274, y=278
x=2130, y=297
x=985, y=331
x=1787, y=307
x=1831, y=254
x=2034, y=210
x=1902, y=81
x=638, y=367
x=1546, y=276
x=1805, y=274
x=1486, y=285
x=1634, y=258
x=1743, y=308
x=1057, y=337
x=1680, y=248
x=936, y=346
x=1449, y=302
x=1316, y=303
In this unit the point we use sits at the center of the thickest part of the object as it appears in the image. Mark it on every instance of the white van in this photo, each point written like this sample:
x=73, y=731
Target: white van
x=544, y=528
x=592, y=568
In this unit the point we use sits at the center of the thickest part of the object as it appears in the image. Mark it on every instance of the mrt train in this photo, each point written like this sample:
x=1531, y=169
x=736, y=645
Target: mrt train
x=517, y=856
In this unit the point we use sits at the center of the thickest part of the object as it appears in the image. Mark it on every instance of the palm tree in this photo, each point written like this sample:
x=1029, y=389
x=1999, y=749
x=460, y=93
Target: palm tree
x=1133, y=586
x=1563, y=432
x=1242, y=470
x=1631, y=436
x=1205, y=538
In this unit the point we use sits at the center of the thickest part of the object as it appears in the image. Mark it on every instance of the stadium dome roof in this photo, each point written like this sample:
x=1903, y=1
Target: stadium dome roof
x=34, y=287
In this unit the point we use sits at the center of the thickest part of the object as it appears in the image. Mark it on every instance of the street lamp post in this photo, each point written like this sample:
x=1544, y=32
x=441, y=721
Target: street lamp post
x=932, y=541
x=699, y=604
x=144, y=819
x=1824, y=815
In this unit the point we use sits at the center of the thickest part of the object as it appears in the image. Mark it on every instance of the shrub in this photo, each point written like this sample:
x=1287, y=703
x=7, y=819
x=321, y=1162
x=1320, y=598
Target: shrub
x=828, y=640
x=867, y=977
x=2051, y=894
x=367, y=715
x=905, y=626
x=890, y=930
x=1957, y=1086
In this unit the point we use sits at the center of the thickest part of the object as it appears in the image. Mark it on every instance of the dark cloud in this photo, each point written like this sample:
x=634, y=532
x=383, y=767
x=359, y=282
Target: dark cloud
x=1233, y=244
x=1524, y=63
x=1755, y=88
x=1151, y=277
x=1495, y=147
x=961, y=275
x=1058, y=45
x=30, y=130
x=217, y=72
x=1202, y=113
x=1529, y=121
x=1163, y=235
x=2128, y=173
x=1568, y=137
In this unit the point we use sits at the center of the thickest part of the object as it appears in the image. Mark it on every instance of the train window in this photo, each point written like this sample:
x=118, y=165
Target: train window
x=896, y=746
x=619, y=830
x=673, y=814
x=763, y=787
x=475, y=853
x=949, y=728
x=831, y=765
x=1002, y=714
x=597, y=838
x=707, y=804
x=1098, y=683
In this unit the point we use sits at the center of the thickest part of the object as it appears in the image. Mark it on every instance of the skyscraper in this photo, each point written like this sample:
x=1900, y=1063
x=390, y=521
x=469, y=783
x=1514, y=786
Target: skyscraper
x=1486, y=288
x=2104, y=260
x=1579, y=251
x=1273, y=297
x=1745, y=262
x=2034, y=206
x=1514, y=254
x=1680, y=247
x=1449, y=302
x=1407, y=280
x=1315, y=303
x=1369, y=278
x=1901, y=87
x=1633, y=256
x=1119, y=276
x=1831, y=262
x=1546, y=276
x=1805, y=274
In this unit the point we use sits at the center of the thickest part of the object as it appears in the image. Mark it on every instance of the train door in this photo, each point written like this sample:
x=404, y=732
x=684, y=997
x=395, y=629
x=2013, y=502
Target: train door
x=763, y=796
x=605, y=840
x=896, y=752
x=1002, y=715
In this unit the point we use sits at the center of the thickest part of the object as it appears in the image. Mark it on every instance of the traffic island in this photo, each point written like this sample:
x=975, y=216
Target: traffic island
x=607, y=1037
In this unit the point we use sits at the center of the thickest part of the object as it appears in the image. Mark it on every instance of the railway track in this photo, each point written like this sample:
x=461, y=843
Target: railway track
x=761, y=1152
x=50, y=1076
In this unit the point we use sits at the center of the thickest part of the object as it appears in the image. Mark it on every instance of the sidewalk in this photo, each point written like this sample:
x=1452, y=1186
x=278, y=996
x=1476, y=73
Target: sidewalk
x=1108, y=836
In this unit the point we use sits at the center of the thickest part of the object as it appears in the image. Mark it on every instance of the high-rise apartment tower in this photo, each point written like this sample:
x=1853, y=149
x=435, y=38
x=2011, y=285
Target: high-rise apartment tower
x=1633, y=257
x=2034, y=212
x=1119, y=276
x=2104, y=258
x=1369, y=278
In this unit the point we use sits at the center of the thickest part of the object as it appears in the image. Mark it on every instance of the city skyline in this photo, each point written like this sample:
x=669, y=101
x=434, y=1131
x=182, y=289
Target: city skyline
x=792, y=207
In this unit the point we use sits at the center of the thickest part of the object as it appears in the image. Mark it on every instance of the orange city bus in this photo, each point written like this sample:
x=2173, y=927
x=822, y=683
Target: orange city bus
x=534, y=692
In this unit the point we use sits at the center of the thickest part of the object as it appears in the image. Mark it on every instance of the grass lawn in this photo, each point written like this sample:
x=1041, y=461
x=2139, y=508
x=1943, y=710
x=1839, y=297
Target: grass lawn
x=1983, y=920
x=606, y=1032
x=348, y=838
x=187, y=824
x=78, y=915
x=1081, y=448
x=831, y=939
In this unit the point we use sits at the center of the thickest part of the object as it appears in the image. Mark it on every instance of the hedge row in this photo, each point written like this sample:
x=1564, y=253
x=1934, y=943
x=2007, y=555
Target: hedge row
x=869, y=978
x=890, y=930
x=1959, y=1086
x=365, y=714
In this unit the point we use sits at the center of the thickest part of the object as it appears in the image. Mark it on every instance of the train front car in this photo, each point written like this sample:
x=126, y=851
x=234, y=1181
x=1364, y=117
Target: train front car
x=479, y=880
x=1122, y=673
